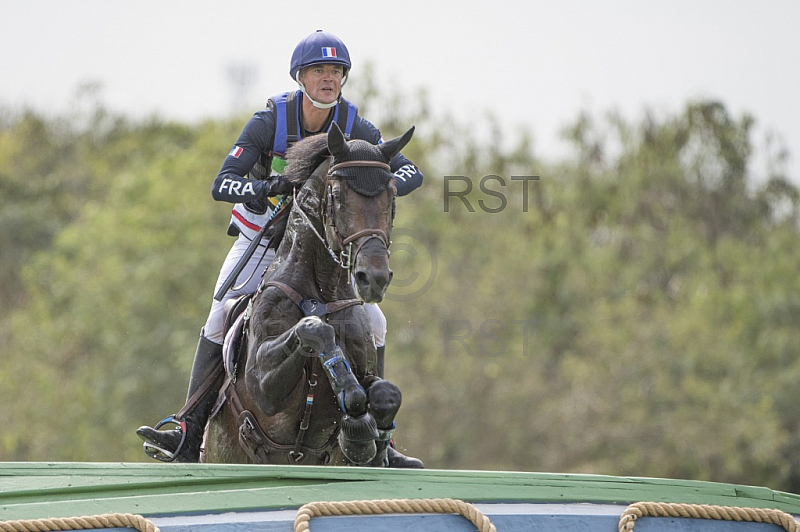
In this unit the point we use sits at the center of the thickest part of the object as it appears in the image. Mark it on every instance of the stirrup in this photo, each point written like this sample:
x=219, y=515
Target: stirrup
x=159, y=453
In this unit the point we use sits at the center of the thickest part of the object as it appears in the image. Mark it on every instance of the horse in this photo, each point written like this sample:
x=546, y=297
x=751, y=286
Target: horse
x=305, y=390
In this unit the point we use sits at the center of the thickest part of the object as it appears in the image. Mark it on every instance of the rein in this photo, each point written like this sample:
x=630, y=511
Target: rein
x=314, y=230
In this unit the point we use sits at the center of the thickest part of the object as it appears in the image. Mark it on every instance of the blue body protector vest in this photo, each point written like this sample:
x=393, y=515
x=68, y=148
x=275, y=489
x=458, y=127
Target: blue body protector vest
x=287, y=131
x=287, y=123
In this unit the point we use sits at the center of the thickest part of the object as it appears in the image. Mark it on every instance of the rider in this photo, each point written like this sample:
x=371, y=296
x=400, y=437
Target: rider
x=320, y=65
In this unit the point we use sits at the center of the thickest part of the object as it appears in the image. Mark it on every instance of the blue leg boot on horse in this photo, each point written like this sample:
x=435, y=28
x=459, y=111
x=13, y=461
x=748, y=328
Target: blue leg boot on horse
x=183, y=443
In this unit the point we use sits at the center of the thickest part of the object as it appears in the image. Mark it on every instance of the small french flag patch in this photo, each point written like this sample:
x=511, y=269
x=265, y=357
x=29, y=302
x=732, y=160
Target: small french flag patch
x=236, y=152
x=328, y=51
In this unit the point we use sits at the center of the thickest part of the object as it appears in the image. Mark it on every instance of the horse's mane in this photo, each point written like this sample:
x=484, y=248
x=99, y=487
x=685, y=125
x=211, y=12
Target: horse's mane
x=303, y=158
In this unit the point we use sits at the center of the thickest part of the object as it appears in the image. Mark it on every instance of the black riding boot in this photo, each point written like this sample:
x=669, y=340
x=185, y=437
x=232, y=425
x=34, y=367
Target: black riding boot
x=398, y=459
x=176, y=445
x=394, y=457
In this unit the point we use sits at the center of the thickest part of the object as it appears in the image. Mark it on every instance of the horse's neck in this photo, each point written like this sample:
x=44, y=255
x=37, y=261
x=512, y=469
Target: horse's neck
x=332, y=280
x=312, y=270
x=309, y=264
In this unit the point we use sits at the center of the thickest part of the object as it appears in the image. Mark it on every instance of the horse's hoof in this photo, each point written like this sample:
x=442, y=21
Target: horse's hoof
x=361, y=428
x=357, y=438
x=384, y=402
x=358, y=452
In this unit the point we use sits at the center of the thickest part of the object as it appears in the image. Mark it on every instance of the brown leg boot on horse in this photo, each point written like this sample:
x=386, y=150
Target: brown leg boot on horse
x=183, y=443
x=394, y=458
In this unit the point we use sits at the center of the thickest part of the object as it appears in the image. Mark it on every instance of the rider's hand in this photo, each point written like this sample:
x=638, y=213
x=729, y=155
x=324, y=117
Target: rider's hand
x=278, y=186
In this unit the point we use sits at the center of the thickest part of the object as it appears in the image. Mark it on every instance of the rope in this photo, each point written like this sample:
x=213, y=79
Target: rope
x=391, y=506
x=81, y=523
x=704, y=511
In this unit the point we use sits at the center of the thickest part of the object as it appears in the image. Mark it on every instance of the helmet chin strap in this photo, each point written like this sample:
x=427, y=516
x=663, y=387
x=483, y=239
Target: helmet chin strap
x=315, y=103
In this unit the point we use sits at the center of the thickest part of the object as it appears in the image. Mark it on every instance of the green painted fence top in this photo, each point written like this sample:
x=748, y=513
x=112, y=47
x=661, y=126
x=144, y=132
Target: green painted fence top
x=43, y=490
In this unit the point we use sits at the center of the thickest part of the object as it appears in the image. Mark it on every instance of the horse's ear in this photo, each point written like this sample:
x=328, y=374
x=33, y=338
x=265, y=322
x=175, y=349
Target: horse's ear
x=337, y=144
x=390, y=148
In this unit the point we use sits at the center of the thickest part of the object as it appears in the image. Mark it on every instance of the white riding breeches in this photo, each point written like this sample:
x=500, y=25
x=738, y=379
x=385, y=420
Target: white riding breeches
x=260, y=260
x=378, y=323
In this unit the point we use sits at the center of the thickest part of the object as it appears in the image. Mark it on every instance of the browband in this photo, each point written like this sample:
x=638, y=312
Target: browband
x=350, y=164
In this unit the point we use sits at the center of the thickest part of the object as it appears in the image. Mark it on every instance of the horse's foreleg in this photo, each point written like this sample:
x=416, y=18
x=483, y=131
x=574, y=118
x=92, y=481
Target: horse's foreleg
x=359, y=430
x=320, y=338
x=351, y=395
x=274, y=372
x=280, y=361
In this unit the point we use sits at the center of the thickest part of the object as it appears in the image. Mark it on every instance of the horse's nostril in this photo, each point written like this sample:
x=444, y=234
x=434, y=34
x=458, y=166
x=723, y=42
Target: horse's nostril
x=383, y=280
x=362, y=279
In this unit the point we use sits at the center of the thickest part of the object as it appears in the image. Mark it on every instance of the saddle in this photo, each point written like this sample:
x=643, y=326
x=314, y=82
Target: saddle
x=233, y=328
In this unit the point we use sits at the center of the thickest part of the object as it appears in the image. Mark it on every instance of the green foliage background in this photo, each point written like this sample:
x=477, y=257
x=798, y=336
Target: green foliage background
x=633, y=311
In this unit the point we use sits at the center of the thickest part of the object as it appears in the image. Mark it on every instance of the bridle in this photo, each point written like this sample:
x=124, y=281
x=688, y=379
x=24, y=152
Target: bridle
x=347, y=254
x=345, y=245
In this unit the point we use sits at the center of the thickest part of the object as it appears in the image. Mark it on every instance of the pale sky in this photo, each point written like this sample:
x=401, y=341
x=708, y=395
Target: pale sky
x=534, y=64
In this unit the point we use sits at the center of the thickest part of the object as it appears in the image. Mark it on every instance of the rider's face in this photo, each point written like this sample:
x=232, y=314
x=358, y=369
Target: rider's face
x=323, y=82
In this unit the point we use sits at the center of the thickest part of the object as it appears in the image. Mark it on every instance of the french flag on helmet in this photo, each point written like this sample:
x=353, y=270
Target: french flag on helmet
x=319, y=47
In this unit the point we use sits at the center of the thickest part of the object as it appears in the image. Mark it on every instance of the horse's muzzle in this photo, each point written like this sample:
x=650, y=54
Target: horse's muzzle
x=371, y=270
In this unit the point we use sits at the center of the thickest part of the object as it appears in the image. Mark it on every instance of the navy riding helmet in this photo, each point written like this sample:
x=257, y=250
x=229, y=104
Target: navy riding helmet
x=319, y=47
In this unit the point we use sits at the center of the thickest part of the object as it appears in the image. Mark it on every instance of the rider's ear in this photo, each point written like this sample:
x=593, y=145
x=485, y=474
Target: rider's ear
x=337, y=144
x=390, y=148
